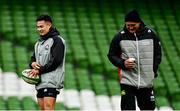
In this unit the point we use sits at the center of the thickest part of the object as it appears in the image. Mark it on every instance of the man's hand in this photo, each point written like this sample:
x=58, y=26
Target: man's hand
x=129, y=64
x=35, y=65
x=33, y=73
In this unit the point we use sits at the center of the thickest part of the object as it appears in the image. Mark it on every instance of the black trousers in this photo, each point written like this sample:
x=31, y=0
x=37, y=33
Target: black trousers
x=145, y=98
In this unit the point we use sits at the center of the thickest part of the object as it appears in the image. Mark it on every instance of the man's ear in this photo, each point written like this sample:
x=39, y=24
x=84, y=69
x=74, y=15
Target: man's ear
x=49, y=24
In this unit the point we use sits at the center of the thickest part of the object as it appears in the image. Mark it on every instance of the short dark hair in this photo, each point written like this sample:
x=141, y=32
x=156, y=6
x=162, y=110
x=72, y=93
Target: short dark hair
x=44, y=17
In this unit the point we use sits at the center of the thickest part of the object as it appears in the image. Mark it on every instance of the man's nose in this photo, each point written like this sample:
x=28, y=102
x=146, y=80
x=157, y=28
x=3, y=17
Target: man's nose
x=131, y=27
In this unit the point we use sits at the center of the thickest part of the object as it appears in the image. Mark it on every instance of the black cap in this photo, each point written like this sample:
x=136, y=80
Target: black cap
x=132, y=16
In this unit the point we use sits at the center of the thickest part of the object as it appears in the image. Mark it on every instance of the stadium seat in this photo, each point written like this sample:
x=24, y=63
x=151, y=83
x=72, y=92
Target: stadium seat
x=72, y=100
x=159, y=86
x=165, y=108
x=176, y=105
x=2, y=104
x=1, y=83
x=83, y=79
x=11, y=84
x=99, y=87
x=88, y=100
x=13, y=103
x=26, y=89
x=113, y=87
x=103, y=103
x=70, y=77
x=29, y=104
x=59, y=106
x=115, y=100
x=162, y=101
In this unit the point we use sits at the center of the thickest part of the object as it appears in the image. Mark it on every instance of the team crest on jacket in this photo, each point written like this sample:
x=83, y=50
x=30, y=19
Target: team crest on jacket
x=47, y=47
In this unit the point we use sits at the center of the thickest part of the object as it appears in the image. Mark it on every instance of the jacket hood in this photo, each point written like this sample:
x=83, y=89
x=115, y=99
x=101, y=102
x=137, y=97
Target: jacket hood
x=52, y=32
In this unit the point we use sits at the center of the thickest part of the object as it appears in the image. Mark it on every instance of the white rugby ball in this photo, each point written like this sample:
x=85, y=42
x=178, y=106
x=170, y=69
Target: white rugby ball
x=30, y=80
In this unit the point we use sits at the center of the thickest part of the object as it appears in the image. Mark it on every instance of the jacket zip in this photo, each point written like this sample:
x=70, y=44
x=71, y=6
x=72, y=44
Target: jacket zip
x=37, y=52
x=137, y=45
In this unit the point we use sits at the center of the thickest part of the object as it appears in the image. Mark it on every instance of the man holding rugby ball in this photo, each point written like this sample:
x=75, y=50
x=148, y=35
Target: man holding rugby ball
x=48, y=61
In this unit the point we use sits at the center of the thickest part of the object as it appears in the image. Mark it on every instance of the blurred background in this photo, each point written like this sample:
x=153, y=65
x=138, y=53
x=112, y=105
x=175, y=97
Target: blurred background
x=91, y=81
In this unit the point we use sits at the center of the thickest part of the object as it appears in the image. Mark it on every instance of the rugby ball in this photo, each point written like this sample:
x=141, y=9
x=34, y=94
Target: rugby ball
x=30, y=80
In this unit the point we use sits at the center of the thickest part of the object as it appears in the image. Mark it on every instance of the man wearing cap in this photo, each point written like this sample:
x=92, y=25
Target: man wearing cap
x=136, y=51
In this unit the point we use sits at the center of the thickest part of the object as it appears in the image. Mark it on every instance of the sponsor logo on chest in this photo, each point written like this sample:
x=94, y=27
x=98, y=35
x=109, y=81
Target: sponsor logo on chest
x=47, y=47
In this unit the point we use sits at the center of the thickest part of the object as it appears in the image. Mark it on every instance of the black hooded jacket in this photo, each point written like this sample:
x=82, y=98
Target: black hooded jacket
x=145, y=47
x=57, y=52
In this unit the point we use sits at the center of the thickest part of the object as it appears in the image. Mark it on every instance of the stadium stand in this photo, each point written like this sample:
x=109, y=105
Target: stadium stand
x=87, y=26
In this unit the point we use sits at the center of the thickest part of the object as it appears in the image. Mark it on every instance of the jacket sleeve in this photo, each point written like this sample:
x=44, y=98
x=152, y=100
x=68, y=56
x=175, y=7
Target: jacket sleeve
x=33, y=59
x=114, y=54
x=157, y=54
x=57, y=56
